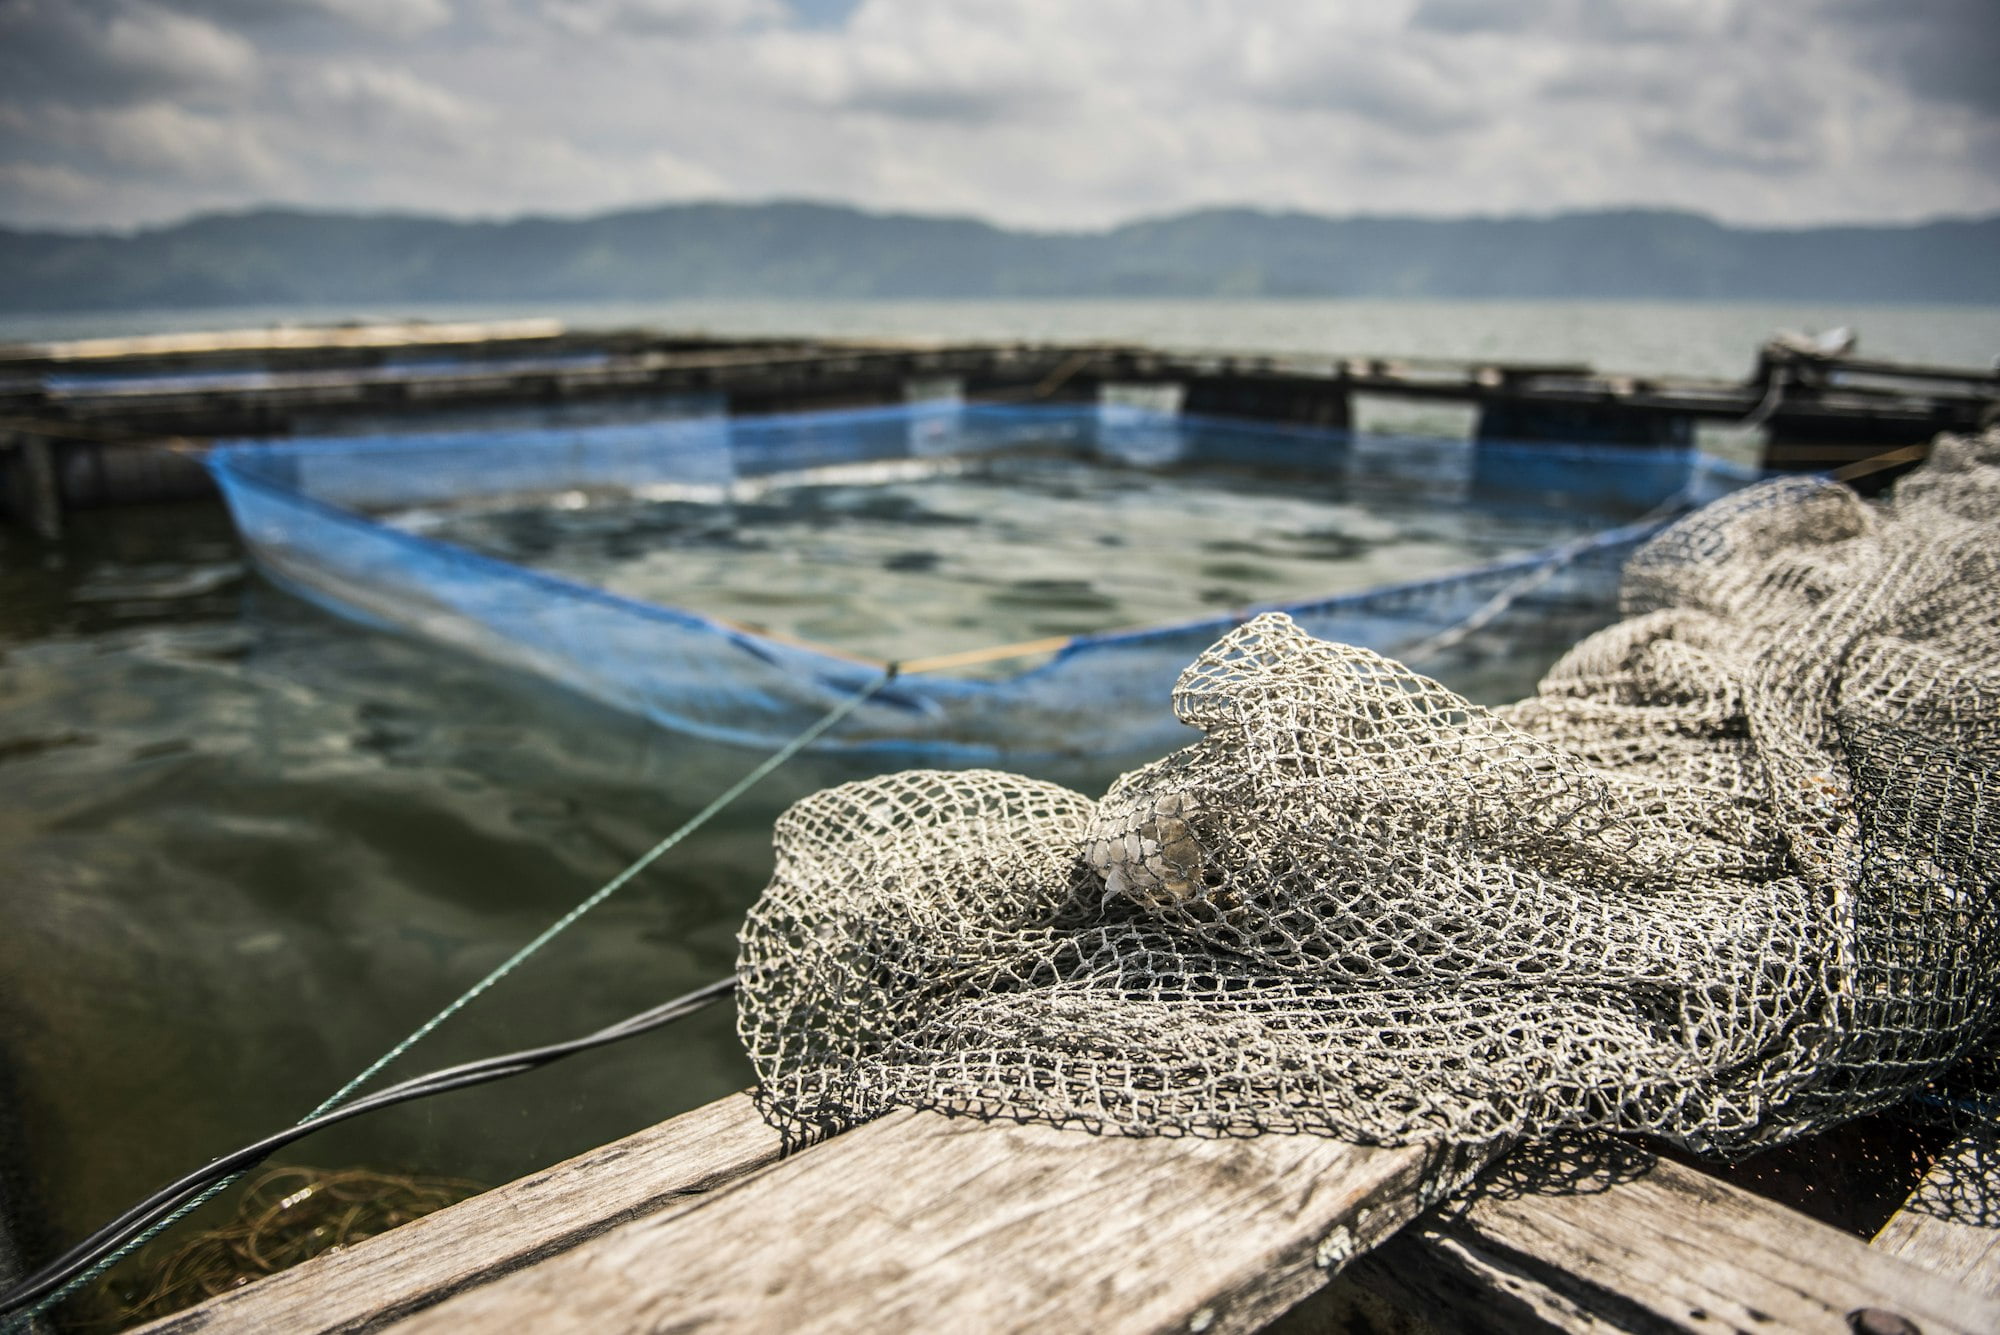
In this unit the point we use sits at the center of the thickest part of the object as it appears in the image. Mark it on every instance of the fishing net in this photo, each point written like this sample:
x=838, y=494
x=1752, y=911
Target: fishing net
x=1727, y=877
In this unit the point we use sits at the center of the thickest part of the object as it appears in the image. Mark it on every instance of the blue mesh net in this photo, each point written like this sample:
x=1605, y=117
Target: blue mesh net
x=313, y=513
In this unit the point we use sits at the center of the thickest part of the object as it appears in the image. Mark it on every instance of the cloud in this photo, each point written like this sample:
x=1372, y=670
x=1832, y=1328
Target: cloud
x=382, y=99
x=60, y=186
x=958, y=64
x=1753, y=130
x=1042, y=112
x=661, y=18
x=1483, y=16
x=823, y=13
x=154, y=142
x=75, y=50
x=394, y=18
x=1641, y=21
x=1941, y=50
x=1394, y=87
x=398, y=18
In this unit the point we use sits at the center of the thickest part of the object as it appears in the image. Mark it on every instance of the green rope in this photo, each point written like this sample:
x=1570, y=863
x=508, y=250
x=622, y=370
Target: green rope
x=507, y=966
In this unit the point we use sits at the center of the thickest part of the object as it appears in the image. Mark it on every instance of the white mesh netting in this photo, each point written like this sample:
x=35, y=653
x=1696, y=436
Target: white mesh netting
x=1727, y=878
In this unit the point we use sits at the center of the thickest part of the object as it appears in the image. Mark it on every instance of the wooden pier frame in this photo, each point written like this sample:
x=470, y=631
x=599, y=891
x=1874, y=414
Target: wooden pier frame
x=1817, y=412
x=922, y=1222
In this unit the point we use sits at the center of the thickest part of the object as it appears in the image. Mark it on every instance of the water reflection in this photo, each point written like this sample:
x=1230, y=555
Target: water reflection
x=250, y=845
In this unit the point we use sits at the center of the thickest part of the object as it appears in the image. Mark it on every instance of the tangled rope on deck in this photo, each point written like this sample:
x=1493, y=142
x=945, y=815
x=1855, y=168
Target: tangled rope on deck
x=1728, y=877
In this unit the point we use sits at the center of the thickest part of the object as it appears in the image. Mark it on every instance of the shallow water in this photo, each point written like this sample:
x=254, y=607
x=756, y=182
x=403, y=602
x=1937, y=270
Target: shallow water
x=972, y=553
x=249, y=846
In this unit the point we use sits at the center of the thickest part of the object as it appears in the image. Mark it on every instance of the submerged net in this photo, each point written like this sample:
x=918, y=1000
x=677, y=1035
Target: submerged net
x=1727, y=878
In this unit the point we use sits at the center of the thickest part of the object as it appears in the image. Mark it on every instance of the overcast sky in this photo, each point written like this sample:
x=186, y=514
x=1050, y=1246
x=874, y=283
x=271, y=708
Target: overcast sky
x=1050, y=113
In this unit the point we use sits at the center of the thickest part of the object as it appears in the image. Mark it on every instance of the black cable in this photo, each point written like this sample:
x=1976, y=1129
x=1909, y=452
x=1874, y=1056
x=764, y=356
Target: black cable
x=136, y=1220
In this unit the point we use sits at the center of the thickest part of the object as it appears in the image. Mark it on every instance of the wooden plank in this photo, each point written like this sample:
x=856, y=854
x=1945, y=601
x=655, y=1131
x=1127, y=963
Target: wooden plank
x=425, y=1262
x=1656, y=1247
x=295, y=337
x=1951, y=1223
x=1667, y=1248
x=922, y=1222
x=1423, y=1282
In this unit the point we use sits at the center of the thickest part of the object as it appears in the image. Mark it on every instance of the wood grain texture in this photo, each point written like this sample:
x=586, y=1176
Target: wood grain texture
x=389, y=1276
x=921, y=1222
x=1951, y=1223
x=1672, y=1249
x=1437, y=1285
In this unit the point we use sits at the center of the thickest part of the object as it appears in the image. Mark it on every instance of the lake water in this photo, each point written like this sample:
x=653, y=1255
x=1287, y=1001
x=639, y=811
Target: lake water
x=250, y=845
x=919, y=558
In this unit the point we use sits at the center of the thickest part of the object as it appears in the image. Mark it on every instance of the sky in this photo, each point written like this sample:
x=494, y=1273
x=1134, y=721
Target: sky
x=1052, y=114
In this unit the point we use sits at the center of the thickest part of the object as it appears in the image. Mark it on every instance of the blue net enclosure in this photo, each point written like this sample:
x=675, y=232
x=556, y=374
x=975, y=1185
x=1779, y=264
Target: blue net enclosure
x=1044, y=573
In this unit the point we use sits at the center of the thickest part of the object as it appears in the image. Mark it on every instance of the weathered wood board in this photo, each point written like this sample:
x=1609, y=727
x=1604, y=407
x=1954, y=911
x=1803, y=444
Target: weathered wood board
x=1665, y=1248
x=363, y=1286
x=403, y=334
x=1951, y=1223
x=917, y=1221
x=922, y=1222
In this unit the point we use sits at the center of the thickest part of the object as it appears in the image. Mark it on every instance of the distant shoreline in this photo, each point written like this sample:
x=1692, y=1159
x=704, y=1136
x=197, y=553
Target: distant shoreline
x=815, y=252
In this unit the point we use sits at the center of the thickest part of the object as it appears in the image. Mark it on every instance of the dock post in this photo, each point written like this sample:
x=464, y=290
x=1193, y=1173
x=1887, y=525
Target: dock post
x=36, y=497
x=1525, y=419
x=1270, y=397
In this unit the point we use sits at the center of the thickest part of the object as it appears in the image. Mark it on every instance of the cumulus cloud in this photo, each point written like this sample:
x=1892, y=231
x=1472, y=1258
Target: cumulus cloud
x=661, y=18
x=399, y=18
x=1944, y=50
x=382, y=100
x=963, y=65
x=1042, y=112
x=1393, y=85
x=159, y=141
x=1638, y=21
x=76, y=50
x=394, y=18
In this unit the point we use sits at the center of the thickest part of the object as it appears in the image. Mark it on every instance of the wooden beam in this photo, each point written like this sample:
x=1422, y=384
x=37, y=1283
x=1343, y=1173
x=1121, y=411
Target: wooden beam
x=1426, y=1282
x=425, y=1262
x=1951, y=1223
x=1652, y=1246
x=294, y=337
x=919, y=1221
x=922, y=1222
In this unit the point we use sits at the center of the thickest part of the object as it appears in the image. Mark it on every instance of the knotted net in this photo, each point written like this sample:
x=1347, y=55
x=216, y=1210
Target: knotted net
x=1728, y=877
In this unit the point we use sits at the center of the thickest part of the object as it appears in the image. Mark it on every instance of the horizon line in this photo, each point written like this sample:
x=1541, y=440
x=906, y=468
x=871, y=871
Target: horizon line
x=134, y=230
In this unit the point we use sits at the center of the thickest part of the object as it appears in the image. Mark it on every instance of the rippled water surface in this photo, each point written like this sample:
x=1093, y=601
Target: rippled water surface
x=966, y=554
x=249, y=845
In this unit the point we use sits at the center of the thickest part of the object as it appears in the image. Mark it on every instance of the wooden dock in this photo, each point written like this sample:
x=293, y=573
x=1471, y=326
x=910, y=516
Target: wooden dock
x=921, y=1222
x=106, y=422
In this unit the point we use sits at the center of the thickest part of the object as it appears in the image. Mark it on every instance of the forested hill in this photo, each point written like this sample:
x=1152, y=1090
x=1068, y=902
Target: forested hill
x=795, y=250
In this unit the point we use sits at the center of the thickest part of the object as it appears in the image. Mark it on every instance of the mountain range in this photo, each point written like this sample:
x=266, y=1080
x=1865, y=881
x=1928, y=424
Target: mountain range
x=808, y=250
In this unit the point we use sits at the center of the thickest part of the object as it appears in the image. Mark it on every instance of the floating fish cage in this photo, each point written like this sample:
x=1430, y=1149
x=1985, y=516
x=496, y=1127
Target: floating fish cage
x=398, y=530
